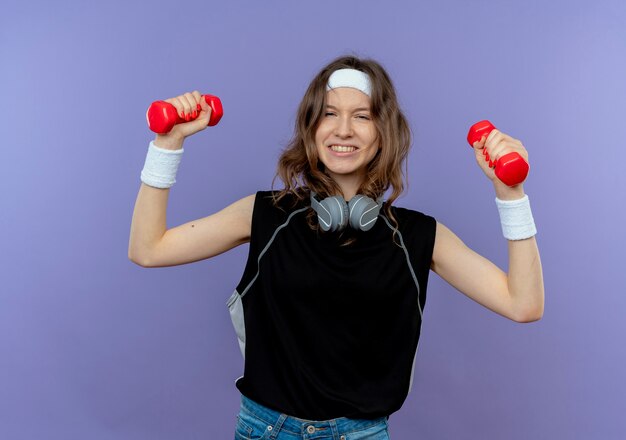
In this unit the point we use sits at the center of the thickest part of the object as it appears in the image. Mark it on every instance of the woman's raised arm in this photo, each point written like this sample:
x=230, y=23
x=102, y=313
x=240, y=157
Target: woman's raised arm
x=518, y=294
x=151, y=244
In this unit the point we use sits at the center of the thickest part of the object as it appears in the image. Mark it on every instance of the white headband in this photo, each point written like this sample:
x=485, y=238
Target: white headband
x=350, y=78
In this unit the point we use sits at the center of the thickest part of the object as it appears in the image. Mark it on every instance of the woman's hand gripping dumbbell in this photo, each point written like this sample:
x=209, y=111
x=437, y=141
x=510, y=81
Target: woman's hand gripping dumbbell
x=510, y=158
x=166, y=116
x=174, y=120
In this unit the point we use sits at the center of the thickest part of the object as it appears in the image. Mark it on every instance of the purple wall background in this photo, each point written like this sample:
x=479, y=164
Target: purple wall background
x=93, y=346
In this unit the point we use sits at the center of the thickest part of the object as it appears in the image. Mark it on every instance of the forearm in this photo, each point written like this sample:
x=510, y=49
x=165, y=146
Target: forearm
x=149, y=216
x=525, y=275
x=149, y=221
x=525, y=279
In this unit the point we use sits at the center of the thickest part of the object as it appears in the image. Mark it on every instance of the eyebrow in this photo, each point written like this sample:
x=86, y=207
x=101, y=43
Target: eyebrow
x=367, y=109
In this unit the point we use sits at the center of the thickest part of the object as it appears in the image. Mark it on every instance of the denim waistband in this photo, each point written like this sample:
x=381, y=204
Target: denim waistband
x=298, y=426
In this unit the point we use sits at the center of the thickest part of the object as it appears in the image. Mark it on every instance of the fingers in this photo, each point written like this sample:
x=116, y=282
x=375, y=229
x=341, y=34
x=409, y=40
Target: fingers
x=197, y=96
x=192, y=108
x=187, y=105
x=482, y=157
x=479, y=145
x=498, y=144
x=190, y=105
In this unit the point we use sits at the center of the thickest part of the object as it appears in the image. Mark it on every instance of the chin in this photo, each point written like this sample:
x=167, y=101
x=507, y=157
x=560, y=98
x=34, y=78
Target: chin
x=342, y=172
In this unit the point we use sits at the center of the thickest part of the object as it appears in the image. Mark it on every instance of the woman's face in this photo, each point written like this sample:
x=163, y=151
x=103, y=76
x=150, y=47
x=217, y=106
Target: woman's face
x=346, y=137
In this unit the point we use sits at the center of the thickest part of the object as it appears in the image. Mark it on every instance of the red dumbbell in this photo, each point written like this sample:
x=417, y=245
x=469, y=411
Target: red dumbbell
x=511, y=168
x=162, y=116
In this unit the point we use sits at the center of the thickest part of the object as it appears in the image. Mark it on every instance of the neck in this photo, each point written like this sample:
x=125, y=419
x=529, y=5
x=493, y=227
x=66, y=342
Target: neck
x=349, y=184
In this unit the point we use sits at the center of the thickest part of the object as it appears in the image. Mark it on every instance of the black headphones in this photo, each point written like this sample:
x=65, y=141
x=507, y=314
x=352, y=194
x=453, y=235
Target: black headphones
x=334, y=213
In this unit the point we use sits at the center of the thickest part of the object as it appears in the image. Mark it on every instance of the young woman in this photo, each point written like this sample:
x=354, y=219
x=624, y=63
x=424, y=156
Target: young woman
x=329, y=308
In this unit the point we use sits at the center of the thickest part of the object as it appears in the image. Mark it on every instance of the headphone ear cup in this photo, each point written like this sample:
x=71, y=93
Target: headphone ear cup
x=338, y=209
x=363, y=212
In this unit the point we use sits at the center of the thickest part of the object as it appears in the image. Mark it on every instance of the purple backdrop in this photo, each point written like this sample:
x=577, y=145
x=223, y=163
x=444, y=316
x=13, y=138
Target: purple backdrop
x=94, y=346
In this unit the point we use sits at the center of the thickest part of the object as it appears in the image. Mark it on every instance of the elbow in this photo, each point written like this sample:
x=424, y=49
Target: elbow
x=529, y=316
x=138, y=260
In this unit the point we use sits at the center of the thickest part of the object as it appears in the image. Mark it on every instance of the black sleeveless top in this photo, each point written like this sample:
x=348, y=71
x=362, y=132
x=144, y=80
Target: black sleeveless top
x=327, y=330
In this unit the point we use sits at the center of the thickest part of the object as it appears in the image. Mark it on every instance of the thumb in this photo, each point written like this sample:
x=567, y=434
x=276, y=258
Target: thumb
x=205, y=108
x=202, y=121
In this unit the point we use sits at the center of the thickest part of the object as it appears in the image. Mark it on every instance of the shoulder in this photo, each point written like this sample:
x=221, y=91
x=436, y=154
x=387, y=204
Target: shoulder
x=285, y=202
x=270, y=207
x=410, y=218
x=264, y=197
x=271, y=213
x=417, y=229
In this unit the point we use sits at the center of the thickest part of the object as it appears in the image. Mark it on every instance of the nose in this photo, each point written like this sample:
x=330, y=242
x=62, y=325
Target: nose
x=343, y=127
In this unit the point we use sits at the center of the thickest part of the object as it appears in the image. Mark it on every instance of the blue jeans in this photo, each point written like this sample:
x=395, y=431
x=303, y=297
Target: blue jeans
x=258, y=422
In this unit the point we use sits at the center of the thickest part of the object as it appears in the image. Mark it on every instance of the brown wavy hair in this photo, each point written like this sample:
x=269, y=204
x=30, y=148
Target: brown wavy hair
x=299, y=166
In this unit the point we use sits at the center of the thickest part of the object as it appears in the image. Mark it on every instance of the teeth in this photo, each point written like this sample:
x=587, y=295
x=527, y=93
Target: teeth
x=342, y=149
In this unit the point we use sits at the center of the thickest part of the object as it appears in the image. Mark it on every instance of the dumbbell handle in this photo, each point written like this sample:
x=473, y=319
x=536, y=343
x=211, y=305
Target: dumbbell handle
x=162, y=116
x=511, y=168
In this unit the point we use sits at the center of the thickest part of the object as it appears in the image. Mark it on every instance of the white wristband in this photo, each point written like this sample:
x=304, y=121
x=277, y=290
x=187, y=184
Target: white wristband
x=161, y=166
x=516, y=218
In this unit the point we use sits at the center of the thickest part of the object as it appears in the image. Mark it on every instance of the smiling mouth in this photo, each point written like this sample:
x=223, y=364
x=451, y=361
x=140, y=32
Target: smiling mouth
x=343, y=148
